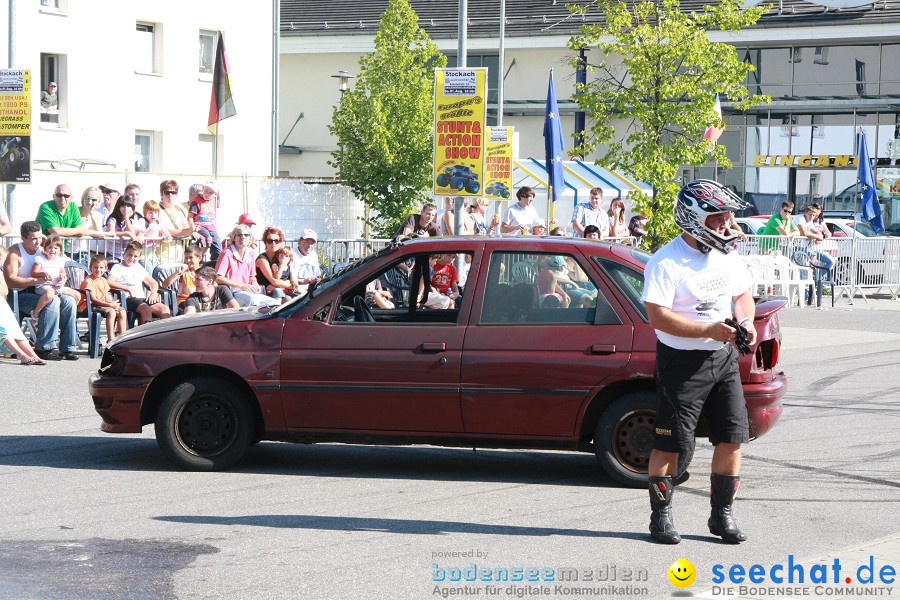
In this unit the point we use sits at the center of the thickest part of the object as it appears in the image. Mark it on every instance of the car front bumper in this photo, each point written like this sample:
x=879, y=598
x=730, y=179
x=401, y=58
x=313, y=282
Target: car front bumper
x=118, y=401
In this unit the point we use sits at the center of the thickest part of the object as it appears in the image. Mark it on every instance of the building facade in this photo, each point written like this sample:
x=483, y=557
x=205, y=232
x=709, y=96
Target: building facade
x=830, y=67
x=134, y=82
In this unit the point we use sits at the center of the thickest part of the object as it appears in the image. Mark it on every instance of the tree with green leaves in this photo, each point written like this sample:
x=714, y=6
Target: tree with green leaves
x=384, y=125
x=652, y=93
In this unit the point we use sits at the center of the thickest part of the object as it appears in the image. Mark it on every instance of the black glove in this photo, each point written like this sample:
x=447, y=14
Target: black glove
x=742, y=339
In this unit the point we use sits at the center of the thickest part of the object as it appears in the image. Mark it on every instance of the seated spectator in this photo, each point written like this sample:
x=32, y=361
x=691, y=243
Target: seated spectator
x=271, y=282
x=12, y=337
x=208, y=296
x=421, y=224
x=193, y=257
x=548, y=281
x=558, y=231
x=52, y=262
x=780, y=224
x=592, y=232
x=307, y=269
x=131, y=276
x=444, y=277
x=126, y=224
x=57, y=321
x=377, y=296
x=539, y=228
x=283, y=269
x=236, y=268
x=434, y=299
x=810, y=226
x=102, y=300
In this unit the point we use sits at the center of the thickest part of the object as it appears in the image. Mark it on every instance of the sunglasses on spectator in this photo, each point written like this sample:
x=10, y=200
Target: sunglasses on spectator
x=273, y=241
x=62, y=195
x=243, y=235
x=170, y=192
x=89, y=199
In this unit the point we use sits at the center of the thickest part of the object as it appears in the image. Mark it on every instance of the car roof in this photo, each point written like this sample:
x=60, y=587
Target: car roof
x=518, y=243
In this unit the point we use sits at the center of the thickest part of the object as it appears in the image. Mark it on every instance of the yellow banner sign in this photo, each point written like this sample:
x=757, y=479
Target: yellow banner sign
x=804, y=160
x=460, y=111
x=15, y=126
x=498, y=163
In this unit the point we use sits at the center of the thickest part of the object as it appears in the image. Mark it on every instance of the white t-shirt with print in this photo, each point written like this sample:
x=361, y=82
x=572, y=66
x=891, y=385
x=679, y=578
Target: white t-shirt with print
x=53, y=268
x=132, y=276
x=694, y=285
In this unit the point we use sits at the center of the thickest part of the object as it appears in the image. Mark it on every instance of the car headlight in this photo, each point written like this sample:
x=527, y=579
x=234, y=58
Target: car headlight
x=112, y=364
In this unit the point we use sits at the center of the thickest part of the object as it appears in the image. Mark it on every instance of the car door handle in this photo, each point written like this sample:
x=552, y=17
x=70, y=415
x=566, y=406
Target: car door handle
x=433, y=347
x=603, y=349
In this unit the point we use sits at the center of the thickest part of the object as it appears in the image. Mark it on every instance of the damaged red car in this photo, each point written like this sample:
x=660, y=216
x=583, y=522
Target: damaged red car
x=546, y=346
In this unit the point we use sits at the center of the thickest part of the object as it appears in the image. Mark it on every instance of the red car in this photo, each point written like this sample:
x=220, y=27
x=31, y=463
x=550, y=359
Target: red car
x=547, y=347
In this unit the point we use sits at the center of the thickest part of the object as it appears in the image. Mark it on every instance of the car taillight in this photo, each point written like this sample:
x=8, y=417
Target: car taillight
x=766, y=355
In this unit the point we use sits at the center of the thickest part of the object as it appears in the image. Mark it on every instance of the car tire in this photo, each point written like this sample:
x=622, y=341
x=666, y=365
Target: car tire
x=472, y=186
x=623, y=439
x=443, y=180
x=204, y=424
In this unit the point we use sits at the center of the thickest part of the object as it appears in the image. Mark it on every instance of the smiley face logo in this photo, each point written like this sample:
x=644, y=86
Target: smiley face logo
x=682, y=573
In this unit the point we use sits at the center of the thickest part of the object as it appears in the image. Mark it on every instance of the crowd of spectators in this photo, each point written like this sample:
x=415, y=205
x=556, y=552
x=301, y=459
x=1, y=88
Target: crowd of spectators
x=123, y=240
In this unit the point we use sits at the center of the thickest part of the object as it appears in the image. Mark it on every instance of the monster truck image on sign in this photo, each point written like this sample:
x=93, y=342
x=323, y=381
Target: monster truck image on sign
x=459, y=177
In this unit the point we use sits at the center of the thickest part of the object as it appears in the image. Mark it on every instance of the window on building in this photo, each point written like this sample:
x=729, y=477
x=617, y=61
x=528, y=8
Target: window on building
x=860, y=77
x=53, y=101
x=148, y=48
x=821, y=55
x=143, y=151
x=207, y=51
x=55, y=6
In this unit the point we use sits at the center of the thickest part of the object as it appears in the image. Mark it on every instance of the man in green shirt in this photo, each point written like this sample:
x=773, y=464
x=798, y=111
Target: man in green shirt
x=62, y=217
x=781, y=224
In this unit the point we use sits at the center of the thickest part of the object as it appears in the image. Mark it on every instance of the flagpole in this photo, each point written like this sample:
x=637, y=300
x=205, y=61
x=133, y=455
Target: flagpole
x=216, y=154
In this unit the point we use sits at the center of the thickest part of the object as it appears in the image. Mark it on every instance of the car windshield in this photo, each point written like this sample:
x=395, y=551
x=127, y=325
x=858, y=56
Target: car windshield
x=864, y=228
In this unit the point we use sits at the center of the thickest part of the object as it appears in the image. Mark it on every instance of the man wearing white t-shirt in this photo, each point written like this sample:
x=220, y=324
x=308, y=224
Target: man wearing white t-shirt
x=690, y=284
x=307, y=268
x=519, y=217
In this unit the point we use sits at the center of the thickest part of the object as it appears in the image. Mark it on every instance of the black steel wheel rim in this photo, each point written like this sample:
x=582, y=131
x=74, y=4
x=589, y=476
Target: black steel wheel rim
x=206, y=426
x=632, y=440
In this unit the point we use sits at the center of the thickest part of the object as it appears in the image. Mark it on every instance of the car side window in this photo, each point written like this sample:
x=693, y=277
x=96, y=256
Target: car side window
x=542, y=288
x=629, y=281
x=425, y=288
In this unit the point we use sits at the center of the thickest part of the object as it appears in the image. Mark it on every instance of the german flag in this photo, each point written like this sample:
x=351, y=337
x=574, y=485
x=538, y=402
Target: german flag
x=221, y=104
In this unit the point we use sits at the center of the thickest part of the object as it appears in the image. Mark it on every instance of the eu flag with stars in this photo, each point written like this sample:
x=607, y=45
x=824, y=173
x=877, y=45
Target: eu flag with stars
x=553, y=144
x=871, y=209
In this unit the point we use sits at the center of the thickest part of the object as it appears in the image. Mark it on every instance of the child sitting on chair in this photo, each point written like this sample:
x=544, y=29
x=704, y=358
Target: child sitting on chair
x=102, y=301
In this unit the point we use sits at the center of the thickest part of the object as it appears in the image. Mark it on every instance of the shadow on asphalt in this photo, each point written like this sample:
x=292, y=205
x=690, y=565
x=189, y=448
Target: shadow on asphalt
x=332, y=460
x=411, y=526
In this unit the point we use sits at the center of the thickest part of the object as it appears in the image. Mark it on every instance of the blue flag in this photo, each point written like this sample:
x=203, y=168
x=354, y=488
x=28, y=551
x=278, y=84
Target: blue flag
x=871, y=209
x=553, y=144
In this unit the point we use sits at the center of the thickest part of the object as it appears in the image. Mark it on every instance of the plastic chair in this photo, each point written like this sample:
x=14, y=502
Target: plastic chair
x=162, y=272
x=523, y=272
x=75, y=273
x=398, y=283
x=22, y=318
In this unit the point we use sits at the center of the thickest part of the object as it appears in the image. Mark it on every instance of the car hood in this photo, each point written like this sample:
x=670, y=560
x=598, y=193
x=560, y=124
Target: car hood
x=217, y=317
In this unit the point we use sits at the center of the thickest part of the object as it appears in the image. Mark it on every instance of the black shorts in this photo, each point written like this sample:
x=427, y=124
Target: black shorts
x=694, y=382
x=132, y=303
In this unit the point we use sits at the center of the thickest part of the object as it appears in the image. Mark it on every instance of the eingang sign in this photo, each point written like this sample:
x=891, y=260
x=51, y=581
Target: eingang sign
x=804, y=160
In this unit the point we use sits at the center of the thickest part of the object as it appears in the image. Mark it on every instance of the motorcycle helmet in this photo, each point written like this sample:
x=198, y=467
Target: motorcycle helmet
x=700, y=199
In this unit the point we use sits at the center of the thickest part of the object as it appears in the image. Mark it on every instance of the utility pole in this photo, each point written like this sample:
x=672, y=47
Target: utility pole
x=11, y=57
x=461, y=60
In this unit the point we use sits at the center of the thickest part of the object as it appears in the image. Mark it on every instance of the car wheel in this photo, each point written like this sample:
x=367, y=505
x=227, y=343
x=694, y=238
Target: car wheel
x=204, y=424
x=472, y=186
x=443, y=180
x=623, y=439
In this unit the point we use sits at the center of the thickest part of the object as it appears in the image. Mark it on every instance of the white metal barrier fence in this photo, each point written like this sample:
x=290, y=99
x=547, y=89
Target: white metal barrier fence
x=860, y=264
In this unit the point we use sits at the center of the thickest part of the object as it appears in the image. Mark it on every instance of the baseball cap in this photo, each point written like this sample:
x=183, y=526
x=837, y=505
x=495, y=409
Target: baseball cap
x=211, y=184
x=309, y=234
x=246, y=219
x=109, y=187
x=52, y=83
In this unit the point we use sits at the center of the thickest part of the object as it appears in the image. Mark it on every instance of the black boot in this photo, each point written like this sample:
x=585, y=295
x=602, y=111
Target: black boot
x=721, y=497
x=662, y=529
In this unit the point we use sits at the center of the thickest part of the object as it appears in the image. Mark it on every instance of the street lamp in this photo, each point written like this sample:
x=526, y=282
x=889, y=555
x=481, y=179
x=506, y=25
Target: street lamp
x=343, y=78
